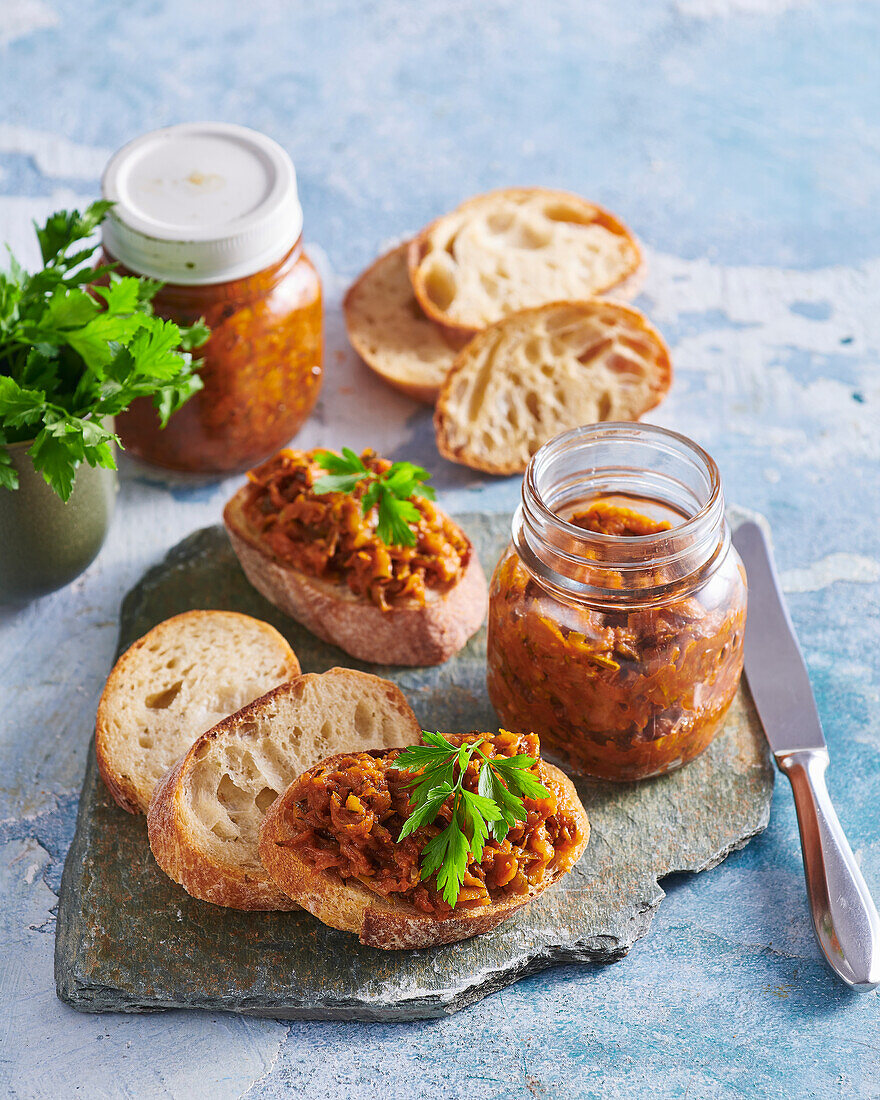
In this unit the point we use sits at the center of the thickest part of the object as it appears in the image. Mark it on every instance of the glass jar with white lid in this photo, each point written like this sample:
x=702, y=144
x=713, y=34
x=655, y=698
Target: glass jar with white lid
x=212, y=211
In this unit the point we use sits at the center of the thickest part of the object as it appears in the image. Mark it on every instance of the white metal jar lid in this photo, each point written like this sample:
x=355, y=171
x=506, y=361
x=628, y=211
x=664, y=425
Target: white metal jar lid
x=200, y=203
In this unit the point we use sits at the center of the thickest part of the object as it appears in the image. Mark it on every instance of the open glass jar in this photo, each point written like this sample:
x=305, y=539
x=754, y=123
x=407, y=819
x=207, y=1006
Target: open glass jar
x=617, y=613
x=212, y=211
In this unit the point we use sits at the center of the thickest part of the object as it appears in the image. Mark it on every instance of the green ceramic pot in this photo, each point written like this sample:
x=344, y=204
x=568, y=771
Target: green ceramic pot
x=45, y=543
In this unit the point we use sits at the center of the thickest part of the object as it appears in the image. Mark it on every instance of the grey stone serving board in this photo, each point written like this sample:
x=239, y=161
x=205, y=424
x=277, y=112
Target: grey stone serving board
x=128, y=939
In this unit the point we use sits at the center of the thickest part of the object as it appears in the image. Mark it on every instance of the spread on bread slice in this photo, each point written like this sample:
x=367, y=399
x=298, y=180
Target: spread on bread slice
x=390, y=332
x=540, y=372
x=173, y=684
x=363, y=559
x=518, y=248
x=206, y=813
x=337, y=841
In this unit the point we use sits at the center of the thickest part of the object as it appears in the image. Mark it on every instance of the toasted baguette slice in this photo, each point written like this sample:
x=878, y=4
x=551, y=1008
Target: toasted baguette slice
x=407, y=634
x=390, y=332
x=542, y=371
x=173, y=684
x=205, y=817
x=390, y=923
x=515, y=249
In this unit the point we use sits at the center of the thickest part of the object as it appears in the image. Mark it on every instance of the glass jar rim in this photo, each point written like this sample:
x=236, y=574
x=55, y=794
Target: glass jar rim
x=646, y=568
x=624, y=431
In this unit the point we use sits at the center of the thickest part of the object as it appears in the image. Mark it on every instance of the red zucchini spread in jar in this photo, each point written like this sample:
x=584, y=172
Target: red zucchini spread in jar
x=620, y=692
x=604, y=517
x=261, y=370
x=347, y=814
x=327, y=535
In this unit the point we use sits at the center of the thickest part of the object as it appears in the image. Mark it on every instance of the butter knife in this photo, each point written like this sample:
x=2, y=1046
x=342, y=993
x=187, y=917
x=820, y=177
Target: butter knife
x=845, y=918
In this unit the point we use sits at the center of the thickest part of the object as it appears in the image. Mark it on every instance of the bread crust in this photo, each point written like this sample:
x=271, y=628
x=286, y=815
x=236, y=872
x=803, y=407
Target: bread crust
x=420, y=383
x=124, y=790
x=173, y=843
x=444, y=416
x=196, y=871
x=387, y=922
x=626, y=287
x=407, y=634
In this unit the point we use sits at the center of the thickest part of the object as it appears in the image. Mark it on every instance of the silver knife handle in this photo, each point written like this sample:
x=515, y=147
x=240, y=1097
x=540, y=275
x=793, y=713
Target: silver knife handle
x=844, y=915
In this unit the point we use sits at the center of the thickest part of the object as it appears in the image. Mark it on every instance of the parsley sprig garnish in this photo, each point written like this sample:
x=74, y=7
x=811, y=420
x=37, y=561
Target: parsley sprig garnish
x=72, y=355
x=503, y=782
x=392, y=491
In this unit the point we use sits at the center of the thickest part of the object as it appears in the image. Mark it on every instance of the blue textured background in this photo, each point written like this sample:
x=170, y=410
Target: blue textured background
x=740, y=139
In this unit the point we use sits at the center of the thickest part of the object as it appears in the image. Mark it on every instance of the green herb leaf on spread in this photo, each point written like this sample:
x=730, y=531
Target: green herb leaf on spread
x=74, y=354
x=391, y=491
x=491, y=812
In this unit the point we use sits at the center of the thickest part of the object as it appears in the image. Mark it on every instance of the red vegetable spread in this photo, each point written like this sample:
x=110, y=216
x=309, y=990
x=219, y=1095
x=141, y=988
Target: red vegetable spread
x=327, y=535
x=605, y=518
x=346, y=814
x=261, y=368
x=619, y=693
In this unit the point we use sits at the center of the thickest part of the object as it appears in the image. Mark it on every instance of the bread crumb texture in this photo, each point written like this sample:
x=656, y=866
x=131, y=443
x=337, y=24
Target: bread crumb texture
x=179, y=680
x=391, y=333
x=237, y=774
x=536, y=374
x=515, y=249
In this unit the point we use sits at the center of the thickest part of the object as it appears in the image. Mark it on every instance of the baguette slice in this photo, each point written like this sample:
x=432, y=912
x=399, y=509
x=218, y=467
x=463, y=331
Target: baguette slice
x=515, y=249
x=543, y=371
x=407, y=634
x=387, y=922
x=206, y=813
x=173, y=684
x=390, y=332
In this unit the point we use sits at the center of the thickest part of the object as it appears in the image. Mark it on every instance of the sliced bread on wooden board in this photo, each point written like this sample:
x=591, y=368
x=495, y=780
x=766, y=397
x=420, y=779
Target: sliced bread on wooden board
x=390, y=332
x=206, y=813
x=177, y=681
x=391, y=922
x=542, y=371
x=515, y=249
x=408, y=633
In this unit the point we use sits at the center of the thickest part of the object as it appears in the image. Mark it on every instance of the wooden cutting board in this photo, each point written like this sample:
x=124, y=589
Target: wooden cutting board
x=129, y=939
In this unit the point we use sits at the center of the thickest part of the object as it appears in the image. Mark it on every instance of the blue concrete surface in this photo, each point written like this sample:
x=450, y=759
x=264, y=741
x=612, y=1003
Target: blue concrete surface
x=740, y=139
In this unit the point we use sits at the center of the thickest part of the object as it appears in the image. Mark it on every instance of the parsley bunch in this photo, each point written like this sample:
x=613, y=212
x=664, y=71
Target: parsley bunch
x=503, y=782
x=73, y=354
x=391, y=491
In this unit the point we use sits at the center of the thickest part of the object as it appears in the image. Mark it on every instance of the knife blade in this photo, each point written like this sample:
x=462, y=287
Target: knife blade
x=774, y=662
x=845, y=919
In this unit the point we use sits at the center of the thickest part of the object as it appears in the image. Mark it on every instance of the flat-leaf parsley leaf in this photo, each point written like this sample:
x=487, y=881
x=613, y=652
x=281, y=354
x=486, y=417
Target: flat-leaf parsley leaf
x=391, y=491
x=497, y=806
x=73, y=354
